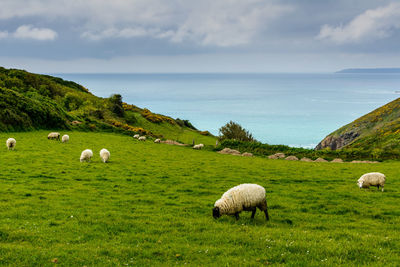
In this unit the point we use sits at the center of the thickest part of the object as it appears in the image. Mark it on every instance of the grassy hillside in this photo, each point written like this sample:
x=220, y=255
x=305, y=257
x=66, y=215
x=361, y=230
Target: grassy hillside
x=377, y=131
x=31, y=101
x=151, y=205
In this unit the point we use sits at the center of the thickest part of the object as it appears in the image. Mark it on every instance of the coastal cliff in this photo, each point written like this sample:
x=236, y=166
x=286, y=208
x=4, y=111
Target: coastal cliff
x=377, y=130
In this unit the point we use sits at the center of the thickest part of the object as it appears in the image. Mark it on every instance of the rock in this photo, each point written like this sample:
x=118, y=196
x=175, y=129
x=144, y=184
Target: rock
x=291, y=158
x=338, y=160
x=172, y=142
x=277, y=156
x=306, y=159
x=247, y=154
x=320, y=160
x=337, y=142
x=227, y=150
x=364, y=161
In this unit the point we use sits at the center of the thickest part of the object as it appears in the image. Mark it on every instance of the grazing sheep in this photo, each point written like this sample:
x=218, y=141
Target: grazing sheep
x=104, y=155
x=11, y=143
x=157, y=141
x=372, y=179
x=246, y=197
x=199, y=146
x=54, y=135
x=86, y=155
x=142, y=138
x=136, y=136
x=65, y=138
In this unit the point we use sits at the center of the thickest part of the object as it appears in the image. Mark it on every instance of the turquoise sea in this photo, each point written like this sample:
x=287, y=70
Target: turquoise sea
x=290, y=109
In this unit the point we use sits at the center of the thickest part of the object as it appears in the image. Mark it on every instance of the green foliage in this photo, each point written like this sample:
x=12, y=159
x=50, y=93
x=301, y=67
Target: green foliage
x=116, y=105
x=235, y=131
x=347, y=154
x=20, y=112
x=185, y=123
x=130, y=118
x=151, y=206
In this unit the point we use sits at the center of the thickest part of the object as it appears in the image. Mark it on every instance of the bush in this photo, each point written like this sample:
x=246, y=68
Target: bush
x=234, y=131
x=116, y=105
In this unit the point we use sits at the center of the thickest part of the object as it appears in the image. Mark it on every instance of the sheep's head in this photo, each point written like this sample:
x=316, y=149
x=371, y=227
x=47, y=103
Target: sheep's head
x=360, y=184
x=216, y=213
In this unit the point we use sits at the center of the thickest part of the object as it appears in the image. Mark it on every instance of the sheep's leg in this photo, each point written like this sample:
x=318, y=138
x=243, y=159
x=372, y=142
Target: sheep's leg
x=264, y=207
x=382, y=188
x=378, y=187
x=253, y=213
x=237, y=215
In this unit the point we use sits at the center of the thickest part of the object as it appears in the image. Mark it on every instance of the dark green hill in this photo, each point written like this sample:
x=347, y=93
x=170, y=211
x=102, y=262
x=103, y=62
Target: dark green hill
x=32, y=101
x=377, y=131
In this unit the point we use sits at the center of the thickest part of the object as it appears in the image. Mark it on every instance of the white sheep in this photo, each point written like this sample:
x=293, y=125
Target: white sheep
x=372, y=179
x=86, y=155
x=199, y=146
x=142, y=138
x=104, y=155
x=246, y=197
x=11, y=143
x=53, y=135
x=65, y=138
x=157, y=140
x=136, y=136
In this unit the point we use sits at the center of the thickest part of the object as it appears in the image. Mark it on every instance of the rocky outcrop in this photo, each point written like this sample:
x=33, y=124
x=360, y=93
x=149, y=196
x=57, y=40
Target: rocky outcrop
x=337, y=142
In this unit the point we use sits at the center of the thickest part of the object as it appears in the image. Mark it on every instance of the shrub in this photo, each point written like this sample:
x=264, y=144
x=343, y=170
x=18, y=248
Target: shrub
x=116, y=105
x=233, y=130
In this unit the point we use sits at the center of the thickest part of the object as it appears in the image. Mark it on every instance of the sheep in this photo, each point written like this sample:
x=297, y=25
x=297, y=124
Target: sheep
x=157, y=140
x=136, y=136
x=54, y=135
x=246, y=197
x=372, y=179
x=104, y=155
x=86, y=155
x=142, y=138
x=11, y=143
x=65, y=138
x=199, y=146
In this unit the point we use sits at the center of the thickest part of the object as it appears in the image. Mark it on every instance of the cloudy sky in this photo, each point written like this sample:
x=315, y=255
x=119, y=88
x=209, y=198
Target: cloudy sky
x=198, y=36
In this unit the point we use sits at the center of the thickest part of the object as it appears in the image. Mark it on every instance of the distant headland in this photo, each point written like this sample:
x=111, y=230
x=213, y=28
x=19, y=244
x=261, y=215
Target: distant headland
x=372, y=70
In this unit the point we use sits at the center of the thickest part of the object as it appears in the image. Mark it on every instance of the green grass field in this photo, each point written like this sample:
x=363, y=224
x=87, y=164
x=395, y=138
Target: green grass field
x=151, y=205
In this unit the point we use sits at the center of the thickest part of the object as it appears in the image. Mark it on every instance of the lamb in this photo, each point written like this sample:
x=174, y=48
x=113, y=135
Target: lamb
x=86, y=155
x=54, y=135
x=246, y=197
x=372, y=179
x=65, y=138
x=104, y=155
x=157, y=140
x=142, y=138
x=199, y=146
x=11, y=143
x=136, y=136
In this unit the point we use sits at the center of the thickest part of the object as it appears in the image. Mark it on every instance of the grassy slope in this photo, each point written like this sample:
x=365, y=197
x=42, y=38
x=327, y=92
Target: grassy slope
x=46, y=102
x=151, y=205
x=175, y=132
x=378, y=129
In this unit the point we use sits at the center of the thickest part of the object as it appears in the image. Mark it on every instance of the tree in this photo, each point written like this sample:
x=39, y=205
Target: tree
x=116, y=105
x=233, y=130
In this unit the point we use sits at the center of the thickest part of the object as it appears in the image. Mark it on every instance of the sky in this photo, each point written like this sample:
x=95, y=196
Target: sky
x=72, y=36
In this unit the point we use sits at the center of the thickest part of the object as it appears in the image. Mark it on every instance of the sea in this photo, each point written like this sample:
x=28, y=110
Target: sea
x=291, y=109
